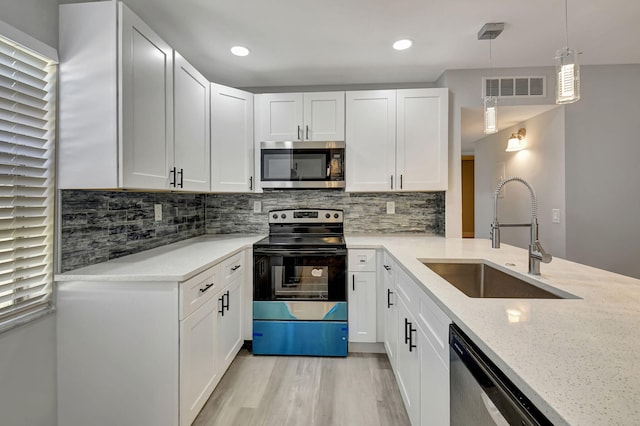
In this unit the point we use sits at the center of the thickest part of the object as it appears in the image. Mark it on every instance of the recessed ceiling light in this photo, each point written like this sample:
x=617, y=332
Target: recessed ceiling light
x=239, y=50
x=402, y=44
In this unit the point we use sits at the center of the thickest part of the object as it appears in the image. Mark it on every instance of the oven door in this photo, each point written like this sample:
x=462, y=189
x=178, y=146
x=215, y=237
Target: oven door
x=314, y=275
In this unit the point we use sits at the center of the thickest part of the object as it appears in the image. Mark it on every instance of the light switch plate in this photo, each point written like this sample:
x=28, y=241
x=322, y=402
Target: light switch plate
x=555, y=215
x=391, y=207
x=157, y=212
x=257, y=206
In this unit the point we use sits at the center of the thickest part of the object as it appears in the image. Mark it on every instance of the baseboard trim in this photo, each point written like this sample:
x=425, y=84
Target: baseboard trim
x=372, y=348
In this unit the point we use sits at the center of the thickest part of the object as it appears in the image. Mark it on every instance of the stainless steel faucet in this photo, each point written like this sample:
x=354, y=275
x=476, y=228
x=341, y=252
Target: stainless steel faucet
x=536, y=252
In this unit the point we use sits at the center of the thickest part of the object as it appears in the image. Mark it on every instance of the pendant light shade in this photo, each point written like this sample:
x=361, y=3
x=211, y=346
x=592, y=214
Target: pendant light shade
x=490, y=114
x=567, y=69
x=568, y=76
x=489, y=32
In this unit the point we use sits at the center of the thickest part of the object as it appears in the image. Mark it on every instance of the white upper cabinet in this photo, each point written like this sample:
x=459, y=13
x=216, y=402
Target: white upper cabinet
x=422, y=139
x=116, y=100
x=397, y=140
x=191, y=128
x=300, y=116
x=371, y=137
x=279, y=117
x=147, y=116
x=323, y=116
x=231, y=140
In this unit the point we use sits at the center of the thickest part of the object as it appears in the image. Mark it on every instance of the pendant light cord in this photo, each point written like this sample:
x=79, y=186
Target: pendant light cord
x=490, y=67
x=566, y=22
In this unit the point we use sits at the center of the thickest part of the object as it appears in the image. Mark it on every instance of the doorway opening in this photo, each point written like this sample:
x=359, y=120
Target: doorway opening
x=468, y=196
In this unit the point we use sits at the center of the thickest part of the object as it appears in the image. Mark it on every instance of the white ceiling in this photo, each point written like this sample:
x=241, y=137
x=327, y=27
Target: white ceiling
x=331, y=42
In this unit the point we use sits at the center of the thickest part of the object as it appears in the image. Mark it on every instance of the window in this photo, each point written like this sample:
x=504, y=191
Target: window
x=27, y=119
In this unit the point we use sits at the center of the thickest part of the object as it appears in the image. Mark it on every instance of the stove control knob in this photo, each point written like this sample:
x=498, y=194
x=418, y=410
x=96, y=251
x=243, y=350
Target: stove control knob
x=283, y=215
x=336, y=215
x=328, y=215
x=275, y=215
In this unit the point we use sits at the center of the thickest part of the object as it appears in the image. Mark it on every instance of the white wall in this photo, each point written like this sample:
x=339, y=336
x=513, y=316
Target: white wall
x=28, y=374
x=603, y=170
x=28, y=352
x=542, y=164
x=465, y=87
x=38, y=18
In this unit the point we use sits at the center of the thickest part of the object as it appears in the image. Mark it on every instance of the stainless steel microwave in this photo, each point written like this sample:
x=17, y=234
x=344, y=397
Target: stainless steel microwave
x=302, y=164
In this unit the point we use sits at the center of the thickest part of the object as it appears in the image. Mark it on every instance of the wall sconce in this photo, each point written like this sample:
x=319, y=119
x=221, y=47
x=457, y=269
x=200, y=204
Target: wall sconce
x=514, y=143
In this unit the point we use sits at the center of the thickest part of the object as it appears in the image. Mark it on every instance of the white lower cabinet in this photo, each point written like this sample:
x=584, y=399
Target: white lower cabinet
x=390, y=316
x=147, y=352
x=408, y=362
x=229, y=323
x=362, y=307
x=434, y=385
x=199, y=370
x=416, y=340
x=362, y=296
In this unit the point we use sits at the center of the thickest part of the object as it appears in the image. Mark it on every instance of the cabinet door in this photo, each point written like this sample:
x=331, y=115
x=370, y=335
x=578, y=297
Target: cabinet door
x=198, y=368
x=147, y=99
x=408, y=362
x=324, y=116
x=191, y=127
x=231, y=140
x=230, y=326
x=279, y=117
x=370, y=136
x=422, y=139
x=362, y=307
x=390, y=313
x=434, y=385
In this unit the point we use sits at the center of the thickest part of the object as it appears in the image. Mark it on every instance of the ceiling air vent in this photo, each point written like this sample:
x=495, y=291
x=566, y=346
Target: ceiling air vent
x=514, y=87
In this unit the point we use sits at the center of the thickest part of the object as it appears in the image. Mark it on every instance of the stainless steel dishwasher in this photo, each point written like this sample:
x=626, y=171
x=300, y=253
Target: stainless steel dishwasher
x=480, y=393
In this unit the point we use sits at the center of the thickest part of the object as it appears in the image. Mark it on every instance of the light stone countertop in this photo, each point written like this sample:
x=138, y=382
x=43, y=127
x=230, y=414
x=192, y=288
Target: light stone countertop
x=174, y=262
x=576, y=359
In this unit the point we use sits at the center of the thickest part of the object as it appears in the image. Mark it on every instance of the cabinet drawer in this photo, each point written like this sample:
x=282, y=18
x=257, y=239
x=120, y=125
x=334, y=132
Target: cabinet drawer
x=389, y=267
x=362, y=260
x=435, y=325
x=196, y=291
x=233, y=267
x=408, y=291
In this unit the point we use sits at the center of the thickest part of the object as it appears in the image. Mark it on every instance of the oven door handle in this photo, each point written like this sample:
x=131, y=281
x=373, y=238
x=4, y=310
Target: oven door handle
x=288, y=252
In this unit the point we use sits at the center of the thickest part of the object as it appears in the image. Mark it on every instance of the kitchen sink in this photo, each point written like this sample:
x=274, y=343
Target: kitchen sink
x=479, y=280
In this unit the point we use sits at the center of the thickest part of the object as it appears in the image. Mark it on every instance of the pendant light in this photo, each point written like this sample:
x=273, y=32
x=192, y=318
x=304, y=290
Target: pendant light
x=489, y=32
x=567, y=69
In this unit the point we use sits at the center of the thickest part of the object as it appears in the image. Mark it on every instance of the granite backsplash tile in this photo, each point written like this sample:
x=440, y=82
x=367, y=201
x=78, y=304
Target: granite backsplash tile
x=98, y=226
x=364, y=212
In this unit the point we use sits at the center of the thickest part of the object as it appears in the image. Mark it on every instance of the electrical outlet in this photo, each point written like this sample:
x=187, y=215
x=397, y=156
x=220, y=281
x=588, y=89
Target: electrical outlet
x=391, y=207
x=157, y=211
x=257, y=206
x=555, y=215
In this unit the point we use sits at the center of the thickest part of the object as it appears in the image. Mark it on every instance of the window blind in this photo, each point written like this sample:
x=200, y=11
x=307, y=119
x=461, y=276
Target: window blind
x=27, y=120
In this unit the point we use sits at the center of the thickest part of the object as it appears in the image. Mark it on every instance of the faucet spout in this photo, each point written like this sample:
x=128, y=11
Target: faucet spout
x=536, y=252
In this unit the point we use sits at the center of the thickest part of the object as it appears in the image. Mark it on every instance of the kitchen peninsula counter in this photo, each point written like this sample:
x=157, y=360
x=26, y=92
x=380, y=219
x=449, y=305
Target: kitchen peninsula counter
x=574, y=358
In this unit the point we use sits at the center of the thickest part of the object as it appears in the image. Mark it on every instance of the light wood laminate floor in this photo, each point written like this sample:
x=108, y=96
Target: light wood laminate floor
x=285, y=390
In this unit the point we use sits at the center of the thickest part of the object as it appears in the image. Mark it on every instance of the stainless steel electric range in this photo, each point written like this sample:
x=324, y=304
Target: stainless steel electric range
x=300, y=285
